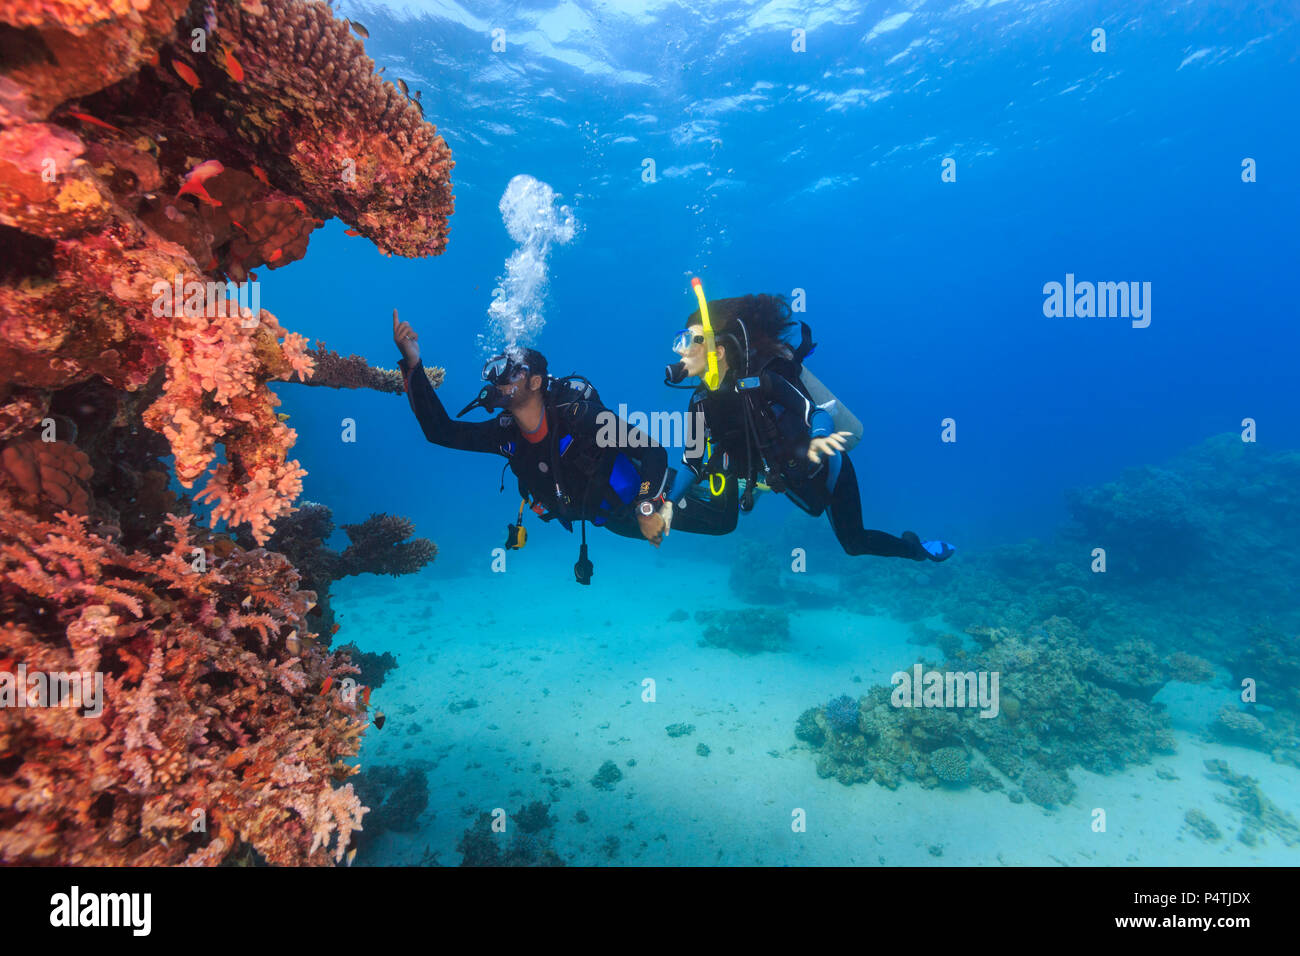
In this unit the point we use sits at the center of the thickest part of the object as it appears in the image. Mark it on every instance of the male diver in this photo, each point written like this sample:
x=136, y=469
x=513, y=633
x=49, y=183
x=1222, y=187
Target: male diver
x=763, y=425
x=547, y=432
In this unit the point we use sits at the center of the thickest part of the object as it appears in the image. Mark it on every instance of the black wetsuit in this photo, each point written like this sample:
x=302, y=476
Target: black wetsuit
x=567, y=475
x=784, y=420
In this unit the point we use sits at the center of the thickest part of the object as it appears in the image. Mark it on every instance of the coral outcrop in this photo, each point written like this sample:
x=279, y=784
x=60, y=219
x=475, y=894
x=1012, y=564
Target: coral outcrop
x=379, y=545
x=1050, y=714
x=746, y=631
x=529, y=843
x=134, y=184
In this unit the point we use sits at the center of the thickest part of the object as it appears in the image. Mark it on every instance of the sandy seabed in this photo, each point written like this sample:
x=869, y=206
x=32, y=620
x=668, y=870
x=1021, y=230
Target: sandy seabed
x=558, y=688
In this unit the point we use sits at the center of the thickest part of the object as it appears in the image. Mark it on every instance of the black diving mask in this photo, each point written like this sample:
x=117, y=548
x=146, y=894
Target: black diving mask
x=498, y=370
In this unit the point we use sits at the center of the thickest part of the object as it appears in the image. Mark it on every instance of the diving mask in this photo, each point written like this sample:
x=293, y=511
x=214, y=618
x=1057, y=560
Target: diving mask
x=503, y=369
x=684, y=339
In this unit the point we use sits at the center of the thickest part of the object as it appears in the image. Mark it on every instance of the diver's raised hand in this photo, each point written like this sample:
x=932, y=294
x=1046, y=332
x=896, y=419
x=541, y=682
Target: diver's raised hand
x=405, y=338
x=832, y=444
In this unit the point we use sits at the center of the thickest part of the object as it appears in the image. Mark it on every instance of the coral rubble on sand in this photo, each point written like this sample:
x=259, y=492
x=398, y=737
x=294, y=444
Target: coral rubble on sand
x=141, y=172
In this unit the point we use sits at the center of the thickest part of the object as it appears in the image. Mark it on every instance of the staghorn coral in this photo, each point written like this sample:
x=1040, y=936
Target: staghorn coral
x=211, y=703
x=353, y=371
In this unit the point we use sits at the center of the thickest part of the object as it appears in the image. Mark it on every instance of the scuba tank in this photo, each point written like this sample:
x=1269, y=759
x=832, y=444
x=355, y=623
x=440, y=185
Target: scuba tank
x=845, y=420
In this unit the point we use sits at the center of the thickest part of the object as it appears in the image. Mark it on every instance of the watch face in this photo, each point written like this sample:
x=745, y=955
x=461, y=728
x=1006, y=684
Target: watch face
x=647, y=508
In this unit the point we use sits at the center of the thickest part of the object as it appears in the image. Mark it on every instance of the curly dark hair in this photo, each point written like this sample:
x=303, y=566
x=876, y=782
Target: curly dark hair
x=766, y=319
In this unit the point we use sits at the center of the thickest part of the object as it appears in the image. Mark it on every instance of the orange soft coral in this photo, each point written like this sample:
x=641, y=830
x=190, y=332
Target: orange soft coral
x=211, y=711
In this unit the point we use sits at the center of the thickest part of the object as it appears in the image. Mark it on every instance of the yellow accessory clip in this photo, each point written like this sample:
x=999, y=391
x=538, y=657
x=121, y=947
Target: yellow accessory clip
x=722, y=485
x=517, y=534
x=711, y=377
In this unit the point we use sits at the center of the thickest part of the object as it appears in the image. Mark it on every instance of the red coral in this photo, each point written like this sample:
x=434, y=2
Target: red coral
x=102, y=204
x=206, y=707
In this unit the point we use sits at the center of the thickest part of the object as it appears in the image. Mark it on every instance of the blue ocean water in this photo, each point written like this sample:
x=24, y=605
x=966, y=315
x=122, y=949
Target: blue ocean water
x=817, y=173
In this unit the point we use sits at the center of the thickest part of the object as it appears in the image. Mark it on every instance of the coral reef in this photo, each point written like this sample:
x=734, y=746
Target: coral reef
x=951, y=766
x=378, y=545
x=163, y=167
x=1192, y=565
x=396, y=796
x=528, y=845
x=1202, y=826
x=373, y=667
x=143, y=170
x=607, y=776
x=212, y=710
x=1269, y=664
x=842, y=714
x=1052, y=715
x=747, y=631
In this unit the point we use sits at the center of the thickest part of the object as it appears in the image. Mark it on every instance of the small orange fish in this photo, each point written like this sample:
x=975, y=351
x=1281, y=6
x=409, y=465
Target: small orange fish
x=87, y=118
x=260, y=174
x=186, y=73
x=325, y=687
x=155, y=59
x=350, y=232
x=193, y=182
x=275, y=254
x=236, y=223
x=334, y=628
x=365, y=697
x=236, y=71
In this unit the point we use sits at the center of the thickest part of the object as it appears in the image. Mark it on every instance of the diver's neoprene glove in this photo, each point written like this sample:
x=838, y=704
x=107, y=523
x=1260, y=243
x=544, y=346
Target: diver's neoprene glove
x=928, y=550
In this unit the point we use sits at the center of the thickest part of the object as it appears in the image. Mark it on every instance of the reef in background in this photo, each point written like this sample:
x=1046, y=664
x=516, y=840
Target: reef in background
x=1192, y=561
x=140, y=169
x=1192, y=571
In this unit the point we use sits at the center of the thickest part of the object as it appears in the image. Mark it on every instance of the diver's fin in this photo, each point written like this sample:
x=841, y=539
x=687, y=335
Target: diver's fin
x=939, y=550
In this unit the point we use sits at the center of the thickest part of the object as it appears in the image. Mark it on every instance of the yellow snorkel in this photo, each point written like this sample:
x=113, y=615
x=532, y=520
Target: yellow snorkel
x=710, y=376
